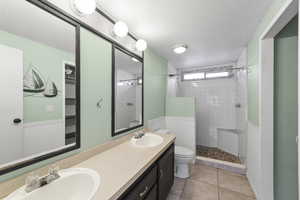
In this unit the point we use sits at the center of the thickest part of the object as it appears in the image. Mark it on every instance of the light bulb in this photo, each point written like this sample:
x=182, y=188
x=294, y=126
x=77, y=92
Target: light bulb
x=85, y=7
x=120, y=29
x=141, y=45
x=134, y=59
x=179, y=49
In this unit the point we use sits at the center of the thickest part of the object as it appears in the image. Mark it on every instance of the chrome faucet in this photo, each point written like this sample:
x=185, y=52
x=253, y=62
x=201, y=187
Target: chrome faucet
x=34, y=182
x=139, y=135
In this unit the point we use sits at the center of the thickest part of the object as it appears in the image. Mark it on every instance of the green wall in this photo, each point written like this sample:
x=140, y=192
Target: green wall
x=285, y=112
x=253, y=61
x=95, y=69
x=49, y=62
x=96, y=61
x=155, y=85
x=180, y=106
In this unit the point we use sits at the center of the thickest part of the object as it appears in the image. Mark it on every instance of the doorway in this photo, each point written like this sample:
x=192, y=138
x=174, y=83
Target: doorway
x=268, y=74
x=285, y=112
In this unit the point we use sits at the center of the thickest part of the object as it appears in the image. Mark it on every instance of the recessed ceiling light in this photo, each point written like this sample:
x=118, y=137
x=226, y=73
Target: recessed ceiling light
x=141, y=45
x=84, y=7
x=179, y=49
x=120, y=29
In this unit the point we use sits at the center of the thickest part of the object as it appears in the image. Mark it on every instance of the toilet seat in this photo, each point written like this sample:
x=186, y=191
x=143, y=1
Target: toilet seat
x=183, y=152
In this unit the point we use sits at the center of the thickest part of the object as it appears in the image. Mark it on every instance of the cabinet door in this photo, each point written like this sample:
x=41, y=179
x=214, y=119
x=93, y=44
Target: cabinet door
x=96, y=60
x=152, y=194
x=143, y=188
x=166, y=173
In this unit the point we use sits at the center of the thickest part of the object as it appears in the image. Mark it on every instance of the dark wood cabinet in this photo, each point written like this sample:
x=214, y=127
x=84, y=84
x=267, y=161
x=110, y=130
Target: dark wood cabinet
x=153, y=194
x=156, y=182
x=144, y=186
x=166, y=174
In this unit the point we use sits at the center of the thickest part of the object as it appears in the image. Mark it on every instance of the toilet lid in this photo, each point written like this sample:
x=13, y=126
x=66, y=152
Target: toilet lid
x=183, y=152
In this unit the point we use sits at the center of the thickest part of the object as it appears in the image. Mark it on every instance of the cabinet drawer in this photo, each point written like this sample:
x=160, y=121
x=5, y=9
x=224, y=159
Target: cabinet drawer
x=142, y=189
x=153, y=194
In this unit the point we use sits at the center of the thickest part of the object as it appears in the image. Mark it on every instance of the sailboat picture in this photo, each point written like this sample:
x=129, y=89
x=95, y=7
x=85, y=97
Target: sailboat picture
x=33, y=81
x=50, y=90
x=35, y=84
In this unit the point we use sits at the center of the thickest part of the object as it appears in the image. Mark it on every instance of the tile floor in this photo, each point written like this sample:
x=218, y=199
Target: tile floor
x=208, y=183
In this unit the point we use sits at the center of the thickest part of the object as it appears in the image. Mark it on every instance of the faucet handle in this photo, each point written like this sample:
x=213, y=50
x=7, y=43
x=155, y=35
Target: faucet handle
x=53, y=170
x=52, y=174
x=32, y=182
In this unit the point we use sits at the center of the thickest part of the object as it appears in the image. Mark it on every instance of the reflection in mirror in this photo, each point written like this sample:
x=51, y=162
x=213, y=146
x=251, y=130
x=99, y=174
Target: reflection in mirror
x=128, y=92
x=38, y=83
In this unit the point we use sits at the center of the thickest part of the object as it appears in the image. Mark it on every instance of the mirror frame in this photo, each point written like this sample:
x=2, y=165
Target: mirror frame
x=40, y=4
x=113, y=109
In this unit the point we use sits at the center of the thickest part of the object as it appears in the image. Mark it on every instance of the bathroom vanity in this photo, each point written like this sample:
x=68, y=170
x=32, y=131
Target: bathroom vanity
x=124, y=171
x=156, y=182
x=130, y=172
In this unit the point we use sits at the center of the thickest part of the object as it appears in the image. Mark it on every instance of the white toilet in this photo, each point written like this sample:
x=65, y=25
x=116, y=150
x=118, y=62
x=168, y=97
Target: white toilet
x=183, y=160
x=184, y=157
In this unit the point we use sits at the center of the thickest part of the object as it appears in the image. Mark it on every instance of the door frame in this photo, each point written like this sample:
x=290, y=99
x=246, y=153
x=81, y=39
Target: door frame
x=266, y=96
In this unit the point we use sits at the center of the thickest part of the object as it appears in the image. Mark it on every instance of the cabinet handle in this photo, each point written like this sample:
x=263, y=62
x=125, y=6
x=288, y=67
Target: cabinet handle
x=161, y=173
x=142, y=194
x=99, y=103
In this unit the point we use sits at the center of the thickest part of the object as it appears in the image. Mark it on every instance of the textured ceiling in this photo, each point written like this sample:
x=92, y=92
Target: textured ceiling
x=215, y=31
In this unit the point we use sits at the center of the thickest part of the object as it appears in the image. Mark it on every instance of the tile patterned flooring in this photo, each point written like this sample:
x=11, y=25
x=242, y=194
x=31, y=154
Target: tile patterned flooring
x=208, y=183
x=215, y=153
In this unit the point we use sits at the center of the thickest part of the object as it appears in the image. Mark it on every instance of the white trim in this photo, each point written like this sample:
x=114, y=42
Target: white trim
x=284, y=15
x=41, y=123
x=265, y=129
x=266, y=67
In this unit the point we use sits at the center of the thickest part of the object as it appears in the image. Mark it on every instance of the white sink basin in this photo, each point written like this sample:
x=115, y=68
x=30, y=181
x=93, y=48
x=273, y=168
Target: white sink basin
x=148, y=140
x=73, y=184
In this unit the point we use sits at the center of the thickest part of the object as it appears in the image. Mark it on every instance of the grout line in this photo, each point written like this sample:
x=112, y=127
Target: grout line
x=218, y=184
x=181, y=194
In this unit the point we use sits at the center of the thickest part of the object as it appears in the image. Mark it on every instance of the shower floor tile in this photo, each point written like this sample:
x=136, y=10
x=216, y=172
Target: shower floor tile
x=215, y=153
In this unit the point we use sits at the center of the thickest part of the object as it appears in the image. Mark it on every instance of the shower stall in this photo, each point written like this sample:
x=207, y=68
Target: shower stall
x=221, y=103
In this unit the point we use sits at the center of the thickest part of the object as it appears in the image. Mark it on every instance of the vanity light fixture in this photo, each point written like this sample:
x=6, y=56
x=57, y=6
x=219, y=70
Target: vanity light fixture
x=83, y=7
x=180, y=49
x=120, y=29
x=141, y=45
x=134, y=59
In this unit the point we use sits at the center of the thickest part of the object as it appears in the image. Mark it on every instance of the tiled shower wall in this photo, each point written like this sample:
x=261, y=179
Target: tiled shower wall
x=215, y=107
x=221, y=110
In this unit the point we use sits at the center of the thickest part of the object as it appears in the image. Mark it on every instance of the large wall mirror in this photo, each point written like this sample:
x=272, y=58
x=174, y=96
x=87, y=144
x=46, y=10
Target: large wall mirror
x=127, y=91
x=39, y=81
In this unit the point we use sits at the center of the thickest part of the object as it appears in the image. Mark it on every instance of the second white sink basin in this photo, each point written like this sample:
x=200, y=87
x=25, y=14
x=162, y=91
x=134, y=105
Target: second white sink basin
x=148, y=140
x=73, y=184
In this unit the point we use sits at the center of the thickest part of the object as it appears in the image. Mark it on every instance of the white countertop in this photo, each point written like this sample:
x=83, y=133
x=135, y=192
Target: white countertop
x=121, y=166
